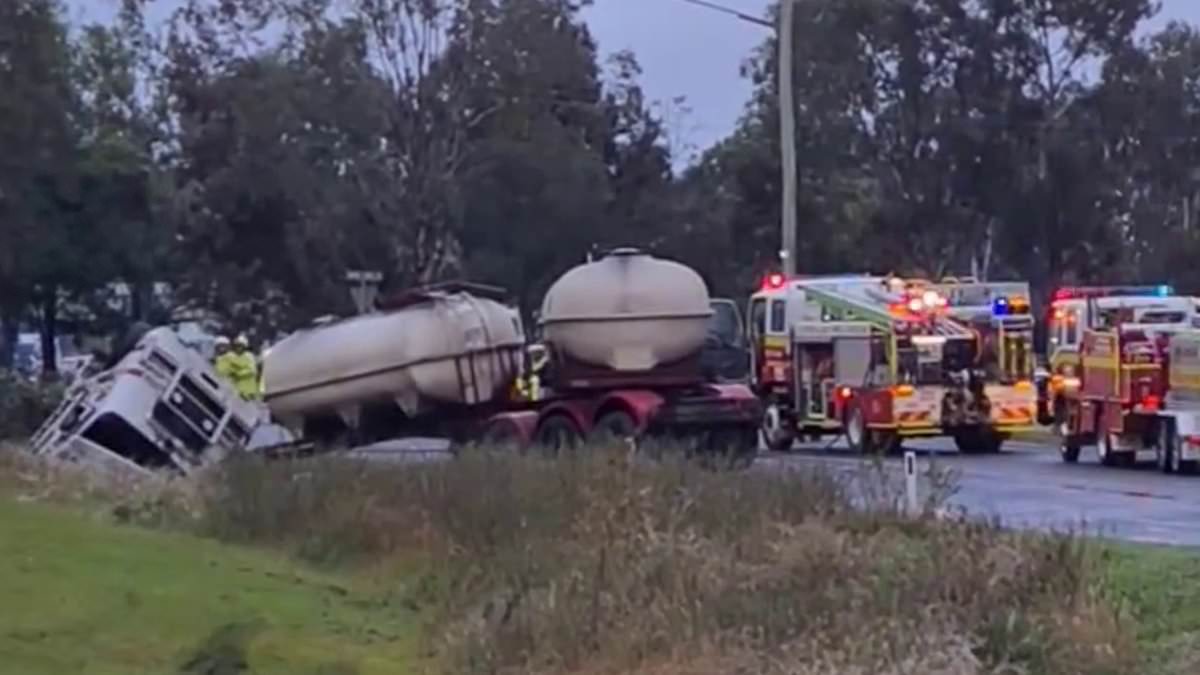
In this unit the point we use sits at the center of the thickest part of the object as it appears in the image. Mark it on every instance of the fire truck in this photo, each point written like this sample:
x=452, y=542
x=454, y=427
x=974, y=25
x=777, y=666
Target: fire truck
x=1124, y=363
x=882, y=359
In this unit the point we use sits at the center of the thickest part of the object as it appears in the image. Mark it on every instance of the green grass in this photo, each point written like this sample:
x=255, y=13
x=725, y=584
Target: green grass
x=1161, y=587
x=81, y=595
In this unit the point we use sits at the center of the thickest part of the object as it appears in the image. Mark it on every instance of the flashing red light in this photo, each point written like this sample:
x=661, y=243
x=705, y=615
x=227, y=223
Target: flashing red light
x=1150, y=402
x=844, y=393
x=774, y=281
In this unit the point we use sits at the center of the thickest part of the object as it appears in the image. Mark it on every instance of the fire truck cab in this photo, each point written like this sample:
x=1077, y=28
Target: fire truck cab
x=881, y=359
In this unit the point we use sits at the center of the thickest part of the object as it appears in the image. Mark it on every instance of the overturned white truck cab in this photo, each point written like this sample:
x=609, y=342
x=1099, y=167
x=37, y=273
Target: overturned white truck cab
x=160, y=408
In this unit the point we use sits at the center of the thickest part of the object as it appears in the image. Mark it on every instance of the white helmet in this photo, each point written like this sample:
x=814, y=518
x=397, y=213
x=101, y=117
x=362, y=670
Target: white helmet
x=221, y=341
x=241, y=340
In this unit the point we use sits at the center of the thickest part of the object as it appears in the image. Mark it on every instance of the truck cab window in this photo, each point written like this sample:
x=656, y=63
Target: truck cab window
x=1070, y=334
x=758, y=317
x=778, y=323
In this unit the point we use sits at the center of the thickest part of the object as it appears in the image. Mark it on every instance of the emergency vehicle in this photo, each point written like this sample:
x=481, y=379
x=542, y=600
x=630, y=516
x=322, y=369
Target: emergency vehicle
x=881, y=359
x=1074, y=309
x=1124, y=363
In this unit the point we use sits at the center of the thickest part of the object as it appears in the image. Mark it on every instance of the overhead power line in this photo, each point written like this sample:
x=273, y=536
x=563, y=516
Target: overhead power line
x=724, y=9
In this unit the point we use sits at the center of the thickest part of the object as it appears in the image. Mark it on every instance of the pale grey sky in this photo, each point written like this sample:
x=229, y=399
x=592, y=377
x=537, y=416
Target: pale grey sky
x=687, y=51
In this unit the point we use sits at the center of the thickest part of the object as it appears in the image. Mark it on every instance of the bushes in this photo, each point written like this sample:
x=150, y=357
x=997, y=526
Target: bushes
x=24, y=404
x=601, y=565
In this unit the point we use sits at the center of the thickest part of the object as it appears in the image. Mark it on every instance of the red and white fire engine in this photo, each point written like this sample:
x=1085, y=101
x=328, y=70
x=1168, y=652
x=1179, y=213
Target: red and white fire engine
x=881, y=359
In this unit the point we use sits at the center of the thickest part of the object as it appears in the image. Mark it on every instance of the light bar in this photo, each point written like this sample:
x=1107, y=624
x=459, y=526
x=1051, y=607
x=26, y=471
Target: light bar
x=774, y=281
x=1010, y=305
x=1073, y=292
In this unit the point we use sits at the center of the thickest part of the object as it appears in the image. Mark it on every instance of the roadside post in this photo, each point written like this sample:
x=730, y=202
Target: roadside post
x=910, y=483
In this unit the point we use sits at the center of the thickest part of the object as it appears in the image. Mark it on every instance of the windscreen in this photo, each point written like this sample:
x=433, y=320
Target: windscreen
x=724, y=326
x=1162, y=317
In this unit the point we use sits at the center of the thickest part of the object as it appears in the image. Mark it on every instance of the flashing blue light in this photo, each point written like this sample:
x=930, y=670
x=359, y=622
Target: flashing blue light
x=1000, y=307
x=1164, y=290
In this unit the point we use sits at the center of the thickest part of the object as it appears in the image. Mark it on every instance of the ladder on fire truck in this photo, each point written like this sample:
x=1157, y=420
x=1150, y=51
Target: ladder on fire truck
x=858, y=341
x=871, y=301
x=883, y=359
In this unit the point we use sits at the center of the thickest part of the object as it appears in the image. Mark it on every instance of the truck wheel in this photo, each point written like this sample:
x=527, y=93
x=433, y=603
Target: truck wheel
x=1068, y=443
x=1177, y=464
x=978, y=441
x=1106, y=450
x=776, y=431
x=964, y=440
x=1068, y=449
x=558, y=433
x=887, y=442
x=1165, y=450
x=857, y=434
x=615, y=425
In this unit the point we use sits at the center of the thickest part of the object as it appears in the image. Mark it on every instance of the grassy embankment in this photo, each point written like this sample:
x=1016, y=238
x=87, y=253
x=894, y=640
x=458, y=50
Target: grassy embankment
x=500, y=565
x=82, y=593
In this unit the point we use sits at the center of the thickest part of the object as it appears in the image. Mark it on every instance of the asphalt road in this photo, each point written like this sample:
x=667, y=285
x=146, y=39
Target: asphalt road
x=1025, y=486
x=1029, y=486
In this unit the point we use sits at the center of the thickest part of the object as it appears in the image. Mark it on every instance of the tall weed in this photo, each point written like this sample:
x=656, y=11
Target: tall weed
x=599, y=563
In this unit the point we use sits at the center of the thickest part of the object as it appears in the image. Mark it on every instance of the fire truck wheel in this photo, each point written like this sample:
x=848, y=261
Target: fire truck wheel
x=1165, y=453
x=1107, y=453
x=974, y=441
x=1177, y=464
x=557, y=433
x=888, y=443
x=775, y=432
x=1068, y=449
x=857, y=435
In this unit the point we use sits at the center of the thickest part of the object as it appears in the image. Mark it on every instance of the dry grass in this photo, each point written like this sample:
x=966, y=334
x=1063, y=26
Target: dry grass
x=142, y=499
x=601, y=565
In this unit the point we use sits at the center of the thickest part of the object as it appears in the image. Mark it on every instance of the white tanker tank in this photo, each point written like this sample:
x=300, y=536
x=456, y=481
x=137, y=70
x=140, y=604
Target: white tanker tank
x=436, y=347
x=628, y=312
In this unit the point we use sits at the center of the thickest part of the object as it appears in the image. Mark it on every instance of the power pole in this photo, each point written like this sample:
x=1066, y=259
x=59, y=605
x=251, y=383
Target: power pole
x=785, y=34
x=787, y=137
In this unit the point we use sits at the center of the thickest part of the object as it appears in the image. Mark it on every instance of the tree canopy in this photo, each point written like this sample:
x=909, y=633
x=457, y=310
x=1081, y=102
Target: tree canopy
x=250, y=153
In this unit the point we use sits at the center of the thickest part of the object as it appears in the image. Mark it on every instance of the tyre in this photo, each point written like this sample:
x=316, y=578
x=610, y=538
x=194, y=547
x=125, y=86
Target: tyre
x=558, y=433
x=965, y=441
x=1068, y=449
x=1177, y=463
x=978, y=441
x=777, y=433
x=1107, y=453
x=890, y=443
x=1068, y=443
x=613, y=425
x=1166, y=454
x=857, y=435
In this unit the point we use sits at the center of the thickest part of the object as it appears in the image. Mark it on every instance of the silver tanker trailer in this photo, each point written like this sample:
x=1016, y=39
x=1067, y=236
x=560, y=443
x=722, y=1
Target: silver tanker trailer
x=624, y=337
